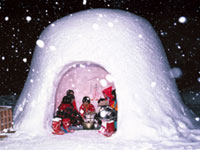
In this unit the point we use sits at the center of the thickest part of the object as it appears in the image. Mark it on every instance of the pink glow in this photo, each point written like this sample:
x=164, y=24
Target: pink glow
x=86, y=79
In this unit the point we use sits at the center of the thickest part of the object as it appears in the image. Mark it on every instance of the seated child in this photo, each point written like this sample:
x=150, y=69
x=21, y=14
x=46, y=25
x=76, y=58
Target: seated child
x=108, y=117
x=86, y=107
x=66, y=116
x=73, y=101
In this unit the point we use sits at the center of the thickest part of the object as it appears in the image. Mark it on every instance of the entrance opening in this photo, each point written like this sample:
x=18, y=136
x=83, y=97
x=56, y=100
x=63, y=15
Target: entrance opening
x=85, y=79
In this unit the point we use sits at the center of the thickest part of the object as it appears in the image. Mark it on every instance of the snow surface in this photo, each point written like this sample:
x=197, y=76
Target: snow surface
x=90, y=140
x=151, y=114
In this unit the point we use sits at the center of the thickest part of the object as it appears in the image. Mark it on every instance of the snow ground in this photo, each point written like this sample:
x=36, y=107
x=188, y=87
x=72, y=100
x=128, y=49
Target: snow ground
x=90, y=140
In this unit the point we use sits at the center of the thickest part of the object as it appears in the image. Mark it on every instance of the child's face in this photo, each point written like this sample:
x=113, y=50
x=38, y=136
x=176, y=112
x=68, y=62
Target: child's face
x=103, y=103
x=86, y=103
x=71, y=93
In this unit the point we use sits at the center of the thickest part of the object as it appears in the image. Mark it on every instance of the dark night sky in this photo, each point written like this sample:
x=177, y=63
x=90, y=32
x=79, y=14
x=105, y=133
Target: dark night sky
x=18, y=34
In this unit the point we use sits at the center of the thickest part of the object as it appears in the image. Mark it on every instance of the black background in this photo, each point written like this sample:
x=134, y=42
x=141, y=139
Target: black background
x=18, y=35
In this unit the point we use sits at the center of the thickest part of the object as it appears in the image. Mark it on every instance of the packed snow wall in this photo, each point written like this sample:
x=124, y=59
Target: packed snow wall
x=125, y=46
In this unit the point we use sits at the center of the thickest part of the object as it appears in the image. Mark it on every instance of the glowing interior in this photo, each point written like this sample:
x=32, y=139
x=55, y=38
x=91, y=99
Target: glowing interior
x=86, y=79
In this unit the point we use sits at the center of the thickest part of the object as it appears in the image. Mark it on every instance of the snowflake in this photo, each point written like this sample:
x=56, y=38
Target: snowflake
x=140, y=36
x=40, y=43
x=103, y=82
x=178, y=46
x=25, y=60
x=182, y=19
x=31, y=80
x=100, y=15
x=197, y=118
x=175, y=72
x=28, y=18
x=82, y=66
x=53, y=48
x=6, y=18
x=198, y=79
x=84, y=2
x=109, y=78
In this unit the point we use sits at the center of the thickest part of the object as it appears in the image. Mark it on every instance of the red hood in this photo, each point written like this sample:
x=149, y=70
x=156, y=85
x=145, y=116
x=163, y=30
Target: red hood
x=108, y=92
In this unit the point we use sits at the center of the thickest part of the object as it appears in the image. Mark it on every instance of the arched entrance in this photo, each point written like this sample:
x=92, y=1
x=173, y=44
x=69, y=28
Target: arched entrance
x=86, y=79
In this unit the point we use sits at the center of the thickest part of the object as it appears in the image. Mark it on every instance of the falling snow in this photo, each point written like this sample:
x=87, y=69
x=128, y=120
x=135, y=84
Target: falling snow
x=40, y=43
x=109, y=78
x=175, y=72
x=28, y=18
x=53, y=48
x=198, y=79
x=6, y=18
x=197, y=119
x=178, y=46
x=25, y=60
x=31, y=80
x=182, y=19
x=140, y=36
x=103, y=82
x=84, y=2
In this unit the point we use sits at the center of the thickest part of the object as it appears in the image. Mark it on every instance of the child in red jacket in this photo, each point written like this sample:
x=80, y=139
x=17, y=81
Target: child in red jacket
x=73, y=101
x=86, y=107
x=66, y=116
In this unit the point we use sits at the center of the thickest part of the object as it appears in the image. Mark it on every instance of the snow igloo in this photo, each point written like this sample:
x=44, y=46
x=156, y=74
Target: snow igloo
x=92, y=50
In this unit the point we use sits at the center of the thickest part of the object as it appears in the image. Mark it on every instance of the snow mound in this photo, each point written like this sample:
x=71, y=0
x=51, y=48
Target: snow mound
x=122, y=45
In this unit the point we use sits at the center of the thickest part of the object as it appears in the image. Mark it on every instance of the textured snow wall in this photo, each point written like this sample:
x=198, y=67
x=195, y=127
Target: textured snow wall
x=126, y=47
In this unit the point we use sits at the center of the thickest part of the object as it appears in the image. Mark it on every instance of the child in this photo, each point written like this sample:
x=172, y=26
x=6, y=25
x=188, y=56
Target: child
x=66, y=116
x=73, y=101
x=86, y=107
x=108, y=116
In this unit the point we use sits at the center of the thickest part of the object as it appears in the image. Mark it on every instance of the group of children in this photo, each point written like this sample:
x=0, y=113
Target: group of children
x=68, y=117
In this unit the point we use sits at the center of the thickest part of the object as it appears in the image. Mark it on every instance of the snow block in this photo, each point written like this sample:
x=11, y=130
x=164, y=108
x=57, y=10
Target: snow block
x=125, y=46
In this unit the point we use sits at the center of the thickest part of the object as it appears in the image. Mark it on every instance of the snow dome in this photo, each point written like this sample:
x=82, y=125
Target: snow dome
x=92, y=50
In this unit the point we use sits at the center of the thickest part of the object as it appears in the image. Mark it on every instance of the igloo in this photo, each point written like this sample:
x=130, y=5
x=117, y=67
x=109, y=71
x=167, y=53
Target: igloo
x=94, y=49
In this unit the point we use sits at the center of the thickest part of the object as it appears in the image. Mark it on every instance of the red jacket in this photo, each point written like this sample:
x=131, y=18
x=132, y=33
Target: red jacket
x=83, y=110
x=108, y=95
x=74, y=104
x=62, y=106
